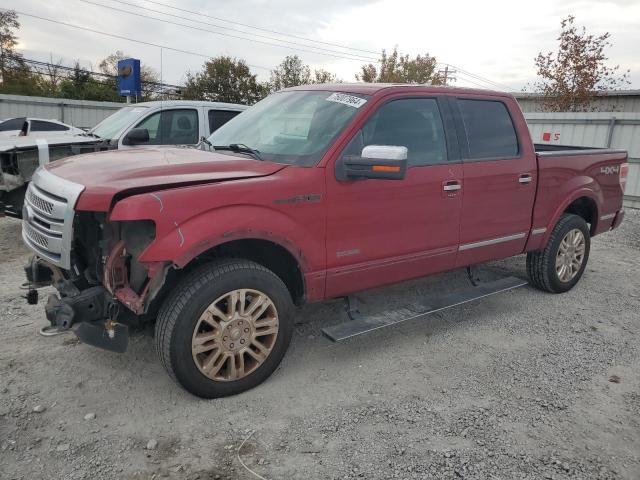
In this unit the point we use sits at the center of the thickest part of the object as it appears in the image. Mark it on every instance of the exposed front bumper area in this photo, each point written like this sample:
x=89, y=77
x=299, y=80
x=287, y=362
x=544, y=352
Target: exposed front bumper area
x=91, y=313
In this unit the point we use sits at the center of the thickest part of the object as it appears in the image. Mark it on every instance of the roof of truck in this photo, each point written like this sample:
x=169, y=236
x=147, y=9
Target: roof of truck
x=373, y=88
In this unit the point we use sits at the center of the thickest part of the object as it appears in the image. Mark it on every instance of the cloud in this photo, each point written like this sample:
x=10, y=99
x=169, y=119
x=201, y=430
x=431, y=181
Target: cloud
x=496, y=39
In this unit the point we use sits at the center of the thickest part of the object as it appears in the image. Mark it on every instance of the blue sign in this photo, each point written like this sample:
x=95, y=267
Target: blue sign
x=129, y=77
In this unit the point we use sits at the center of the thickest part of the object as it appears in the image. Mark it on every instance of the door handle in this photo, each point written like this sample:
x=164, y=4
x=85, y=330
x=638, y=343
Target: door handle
x=525, y=178
x=451, y=186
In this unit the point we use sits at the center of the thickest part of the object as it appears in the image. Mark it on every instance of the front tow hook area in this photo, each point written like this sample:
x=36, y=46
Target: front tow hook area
x=89, y=315
x=105, y=334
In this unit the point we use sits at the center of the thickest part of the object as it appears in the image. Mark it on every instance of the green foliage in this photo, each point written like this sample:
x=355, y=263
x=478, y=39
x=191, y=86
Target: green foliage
x=396, y=68
x=82, y=86
x=224, y=79
x=293, y=72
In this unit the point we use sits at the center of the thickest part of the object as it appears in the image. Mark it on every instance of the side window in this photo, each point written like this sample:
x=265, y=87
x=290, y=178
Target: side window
x=12, y=124
x=414, y=123
x=172, y=127
x=40, y=126
x=489, y=128
x=217, y=118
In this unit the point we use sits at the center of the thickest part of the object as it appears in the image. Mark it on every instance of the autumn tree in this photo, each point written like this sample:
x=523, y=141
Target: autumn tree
x=224, y=79
x=9, y=58
x=293, y=72
x=572, y=76
x=15, y=75
x=396, y=68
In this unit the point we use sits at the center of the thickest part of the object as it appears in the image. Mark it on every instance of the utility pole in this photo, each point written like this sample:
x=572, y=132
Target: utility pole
x=447, y=74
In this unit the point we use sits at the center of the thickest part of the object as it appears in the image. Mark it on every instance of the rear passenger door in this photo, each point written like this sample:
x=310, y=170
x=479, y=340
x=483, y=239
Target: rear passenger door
x=499, y=181
x=217, y=118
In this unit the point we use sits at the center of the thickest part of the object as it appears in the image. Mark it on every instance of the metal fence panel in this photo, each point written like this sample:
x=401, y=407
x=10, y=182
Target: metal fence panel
x=594, y=129
x=79, y=113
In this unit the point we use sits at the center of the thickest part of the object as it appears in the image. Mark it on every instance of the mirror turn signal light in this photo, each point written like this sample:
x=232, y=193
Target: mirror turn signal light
x=385, y=168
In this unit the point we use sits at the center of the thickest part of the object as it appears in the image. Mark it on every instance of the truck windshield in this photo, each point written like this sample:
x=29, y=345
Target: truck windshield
x=295, y=127
x=111, y=126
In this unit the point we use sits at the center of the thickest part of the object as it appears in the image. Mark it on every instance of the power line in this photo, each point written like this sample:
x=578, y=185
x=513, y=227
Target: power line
x=480, y=78
x=358, y=57
x=121, y=37
x=222, y=33
x=38, y=63
x=200, y=14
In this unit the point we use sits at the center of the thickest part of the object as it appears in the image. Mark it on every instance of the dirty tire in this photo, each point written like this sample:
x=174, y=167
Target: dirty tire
x=541, y=264
x=181, y=311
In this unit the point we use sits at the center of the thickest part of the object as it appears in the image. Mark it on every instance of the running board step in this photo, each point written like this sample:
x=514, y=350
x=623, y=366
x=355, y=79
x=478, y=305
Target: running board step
x=365, y=324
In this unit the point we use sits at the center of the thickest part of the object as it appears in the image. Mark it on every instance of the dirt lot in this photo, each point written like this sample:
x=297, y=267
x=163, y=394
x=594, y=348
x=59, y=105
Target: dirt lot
x=519, y=385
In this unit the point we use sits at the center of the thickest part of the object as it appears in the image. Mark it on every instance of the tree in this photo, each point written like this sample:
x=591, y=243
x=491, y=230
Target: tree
x=290, y=73
x=323, y=76
x=224, y=79
x=293, y=72
x=396, y=68
x=571, y=77
x=9, y=58
x=15, y=75
x=82, y=85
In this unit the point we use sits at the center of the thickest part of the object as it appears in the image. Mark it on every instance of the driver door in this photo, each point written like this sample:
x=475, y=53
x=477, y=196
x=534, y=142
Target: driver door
x=171, y=127
x=385, y=231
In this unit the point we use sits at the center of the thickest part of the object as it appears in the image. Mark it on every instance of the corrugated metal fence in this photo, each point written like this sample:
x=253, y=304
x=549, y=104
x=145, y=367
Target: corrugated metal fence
x=590, y=129
x=79, y=113
x=594, y=129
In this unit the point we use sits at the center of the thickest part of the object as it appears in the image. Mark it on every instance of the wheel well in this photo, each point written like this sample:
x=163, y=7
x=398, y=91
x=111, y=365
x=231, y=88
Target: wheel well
x=587, y=209
x=268, y=254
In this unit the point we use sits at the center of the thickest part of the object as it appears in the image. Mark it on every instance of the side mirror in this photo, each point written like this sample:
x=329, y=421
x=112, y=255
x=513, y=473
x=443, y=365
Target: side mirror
x=385, y=162
x=136, y=136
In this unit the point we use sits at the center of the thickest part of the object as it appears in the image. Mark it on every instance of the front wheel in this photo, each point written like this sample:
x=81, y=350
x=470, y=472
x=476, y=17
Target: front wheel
x=559, y=266
x=225, y=329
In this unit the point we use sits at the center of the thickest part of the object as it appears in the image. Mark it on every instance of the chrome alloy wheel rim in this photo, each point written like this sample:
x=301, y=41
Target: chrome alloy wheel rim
x=570, y=255
x=235, y=335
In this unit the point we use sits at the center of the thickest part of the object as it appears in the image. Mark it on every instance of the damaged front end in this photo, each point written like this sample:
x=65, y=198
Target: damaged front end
x=106, y=289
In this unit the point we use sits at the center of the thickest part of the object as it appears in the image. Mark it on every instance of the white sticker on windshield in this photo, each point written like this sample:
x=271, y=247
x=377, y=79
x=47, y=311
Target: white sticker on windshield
x=351, y=100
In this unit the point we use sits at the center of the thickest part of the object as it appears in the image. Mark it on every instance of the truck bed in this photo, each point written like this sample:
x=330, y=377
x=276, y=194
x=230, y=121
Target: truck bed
x=552, y=150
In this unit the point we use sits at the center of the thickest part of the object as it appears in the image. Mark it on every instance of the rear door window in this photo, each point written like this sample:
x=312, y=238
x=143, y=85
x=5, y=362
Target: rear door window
x=489, y=128
x=41, y=126
x=12, y=124
x=217, y=118
x=172, y=127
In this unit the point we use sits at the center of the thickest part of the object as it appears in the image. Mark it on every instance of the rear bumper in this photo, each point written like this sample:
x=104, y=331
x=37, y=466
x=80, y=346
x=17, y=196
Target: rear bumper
x=617, y=219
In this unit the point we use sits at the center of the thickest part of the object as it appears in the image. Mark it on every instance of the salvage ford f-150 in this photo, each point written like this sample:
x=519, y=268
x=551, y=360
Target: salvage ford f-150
x=316, y=192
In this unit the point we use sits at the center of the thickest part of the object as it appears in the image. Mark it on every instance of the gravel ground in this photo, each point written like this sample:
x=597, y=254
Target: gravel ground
x=521, y=385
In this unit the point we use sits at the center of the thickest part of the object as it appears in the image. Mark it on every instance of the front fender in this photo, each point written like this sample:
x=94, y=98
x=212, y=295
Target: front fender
x=179, y=242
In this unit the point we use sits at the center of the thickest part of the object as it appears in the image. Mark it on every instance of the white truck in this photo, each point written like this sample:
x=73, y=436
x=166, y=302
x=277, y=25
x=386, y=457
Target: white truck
x=174, y=122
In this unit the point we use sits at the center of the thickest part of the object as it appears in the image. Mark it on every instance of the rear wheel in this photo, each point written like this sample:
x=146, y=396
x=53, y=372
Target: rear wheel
x=559, y=266
x=225, y=329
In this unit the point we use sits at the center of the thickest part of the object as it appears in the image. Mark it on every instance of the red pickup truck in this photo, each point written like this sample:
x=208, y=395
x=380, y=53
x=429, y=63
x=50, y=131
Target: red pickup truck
x=316, y=192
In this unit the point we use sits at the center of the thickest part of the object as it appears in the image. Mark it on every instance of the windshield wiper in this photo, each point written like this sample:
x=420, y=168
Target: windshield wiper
x=239, y=148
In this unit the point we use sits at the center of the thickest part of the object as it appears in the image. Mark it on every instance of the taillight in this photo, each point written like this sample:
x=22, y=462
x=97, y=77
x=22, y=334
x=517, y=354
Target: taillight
x=624, y=171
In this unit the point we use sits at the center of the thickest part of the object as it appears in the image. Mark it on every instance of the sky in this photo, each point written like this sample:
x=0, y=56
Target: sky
x=492, y=43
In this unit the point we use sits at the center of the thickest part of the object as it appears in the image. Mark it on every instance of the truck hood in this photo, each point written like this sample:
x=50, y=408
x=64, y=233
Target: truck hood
x=125, y=172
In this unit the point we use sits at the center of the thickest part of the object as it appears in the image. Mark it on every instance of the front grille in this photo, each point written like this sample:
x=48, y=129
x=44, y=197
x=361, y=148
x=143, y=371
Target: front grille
x=39, y=202
x=36, y=236
x=47, y=220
